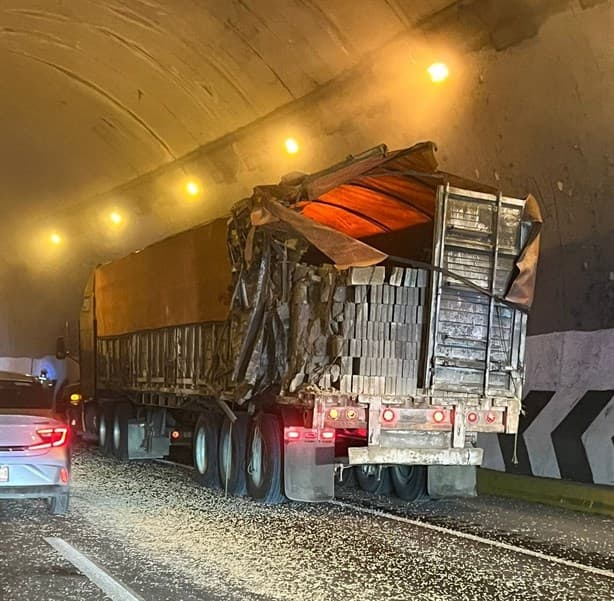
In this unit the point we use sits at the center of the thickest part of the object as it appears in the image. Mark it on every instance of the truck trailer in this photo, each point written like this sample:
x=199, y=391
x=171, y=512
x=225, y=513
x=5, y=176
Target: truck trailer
x=369, y=316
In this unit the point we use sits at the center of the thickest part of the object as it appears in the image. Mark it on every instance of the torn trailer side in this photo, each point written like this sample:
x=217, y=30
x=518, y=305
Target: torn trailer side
x=374, y=316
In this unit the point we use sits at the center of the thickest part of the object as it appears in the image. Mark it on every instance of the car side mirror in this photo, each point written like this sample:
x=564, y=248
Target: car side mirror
x=60, y=348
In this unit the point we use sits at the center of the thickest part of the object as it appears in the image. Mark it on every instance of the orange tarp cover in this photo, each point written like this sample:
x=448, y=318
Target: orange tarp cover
x=180, y=280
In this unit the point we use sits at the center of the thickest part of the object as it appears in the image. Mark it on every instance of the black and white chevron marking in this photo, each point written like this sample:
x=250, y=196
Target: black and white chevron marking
x=565, y=434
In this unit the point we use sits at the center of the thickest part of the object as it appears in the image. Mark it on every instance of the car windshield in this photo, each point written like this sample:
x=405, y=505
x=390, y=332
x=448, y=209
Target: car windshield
x=24, y=395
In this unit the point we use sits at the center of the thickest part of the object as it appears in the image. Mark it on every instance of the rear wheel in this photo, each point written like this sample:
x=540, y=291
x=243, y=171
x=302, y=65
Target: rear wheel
x=90, y=418
x=408, y=481
x=105, y=426
x=58, y=505
x=119, y=439
x=373, y=479
x=264, y=460
x=204, y=450
x=232, y=446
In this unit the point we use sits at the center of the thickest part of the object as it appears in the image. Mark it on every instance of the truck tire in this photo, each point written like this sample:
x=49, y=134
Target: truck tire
x=231, y=455
x=204, y=450
x=408, y=481
x=119, y=436
x=264, y=460
x=105, y=426
x=90, y=418
x=58, y=505
x=371, y=479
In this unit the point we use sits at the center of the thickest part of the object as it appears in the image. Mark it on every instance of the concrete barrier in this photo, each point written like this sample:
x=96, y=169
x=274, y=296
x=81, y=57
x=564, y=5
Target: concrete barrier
x=567, y=428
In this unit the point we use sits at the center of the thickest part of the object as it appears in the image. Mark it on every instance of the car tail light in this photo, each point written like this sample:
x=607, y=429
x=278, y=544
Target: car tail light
x=51, y=437
x=389, y=415
x=439, y=416
x=64, y=476
x=175, y=434
x=472, y=417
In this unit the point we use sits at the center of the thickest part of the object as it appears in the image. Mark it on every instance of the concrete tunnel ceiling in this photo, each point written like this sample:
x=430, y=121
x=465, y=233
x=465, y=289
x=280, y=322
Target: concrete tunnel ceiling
x=112, y=100
x=96, y=93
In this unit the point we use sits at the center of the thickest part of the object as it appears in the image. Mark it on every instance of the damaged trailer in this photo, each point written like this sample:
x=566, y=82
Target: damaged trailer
x=370, y=315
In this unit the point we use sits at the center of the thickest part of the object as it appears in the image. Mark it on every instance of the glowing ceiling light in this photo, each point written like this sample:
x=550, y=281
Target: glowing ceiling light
x=55, y=239
x=192, y=188
x=291, y=145
x=438, y=72
x=115, y=217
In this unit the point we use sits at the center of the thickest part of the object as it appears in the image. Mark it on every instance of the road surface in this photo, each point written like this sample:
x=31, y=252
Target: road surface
x=146, y=531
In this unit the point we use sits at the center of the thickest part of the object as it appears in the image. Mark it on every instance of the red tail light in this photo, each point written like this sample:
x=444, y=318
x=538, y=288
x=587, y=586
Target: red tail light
x=389, y=415
x=175, y=434
x=295, y=434
x=439, y=416
x=327, y=435
x=472, y=417
x=292, y=434
x=51, y=437
x=64, y=476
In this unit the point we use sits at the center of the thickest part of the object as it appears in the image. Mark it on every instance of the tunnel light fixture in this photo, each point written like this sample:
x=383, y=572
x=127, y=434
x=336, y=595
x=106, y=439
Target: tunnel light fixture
x=115, y=218
x=192, y=188
x=439, y=72
x=291, y=146
x=55, y=238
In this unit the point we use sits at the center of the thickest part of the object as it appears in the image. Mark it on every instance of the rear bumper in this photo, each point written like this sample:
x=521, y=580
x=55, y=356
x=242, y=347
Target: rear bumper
x=32, y=492
x=384, y=455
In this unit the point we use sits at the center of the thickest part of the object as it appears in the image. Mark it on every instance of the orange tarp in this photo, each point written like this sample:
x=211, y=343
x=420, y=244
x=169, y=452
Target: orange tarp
x=183, y=279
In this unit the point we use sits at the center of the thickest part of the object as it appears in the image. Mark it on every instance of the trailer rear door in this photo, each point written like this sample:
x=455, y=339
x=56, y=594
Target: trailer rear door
x=476, y=342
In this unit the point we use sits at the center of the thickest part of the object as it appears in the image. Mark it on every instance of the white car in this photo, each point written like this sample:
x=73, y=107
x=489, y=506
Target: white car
x=34, y=443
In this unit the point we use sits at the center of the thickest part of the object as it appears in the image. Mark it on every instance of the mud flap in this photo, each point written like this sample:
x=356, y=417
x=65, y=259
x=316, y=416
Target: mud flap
x=138, y=447
x=309, y=471
x=451, y=481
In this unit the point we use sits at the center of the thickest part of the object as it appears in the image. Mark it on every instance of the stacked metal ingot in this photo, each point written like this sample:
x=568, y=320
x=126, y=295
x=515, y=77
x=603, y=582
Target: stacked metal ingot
x=381, y=330
x=358, y=331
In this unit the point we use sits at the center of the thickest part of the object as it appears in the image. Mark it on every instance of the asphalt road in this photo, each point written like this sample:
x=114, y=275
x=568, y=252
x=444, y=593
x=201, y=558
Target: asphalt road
x=145, y=531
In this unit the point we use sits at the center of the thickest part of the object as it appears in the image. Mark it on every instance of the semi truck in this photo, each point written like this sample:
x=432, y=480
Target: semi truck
x=368, y=317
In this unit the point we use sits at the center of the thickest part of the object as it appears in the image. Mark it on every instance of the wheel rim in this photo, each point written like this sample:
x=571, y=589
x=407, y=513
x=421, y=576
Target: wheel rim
x=116, y=432
x=369, y=471
x=102, y=430
x=256, y=470
x=200, y=451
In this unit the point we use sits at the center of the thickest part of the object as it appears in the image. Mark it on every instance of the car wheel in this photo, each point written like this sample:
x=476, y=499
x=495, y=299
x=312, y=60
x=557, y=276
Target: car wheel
x=58, y=505
x=204, y=450
x=373, y=479
x=231, y=455
x=119, y=437
x=264, y=460
x=408, y=481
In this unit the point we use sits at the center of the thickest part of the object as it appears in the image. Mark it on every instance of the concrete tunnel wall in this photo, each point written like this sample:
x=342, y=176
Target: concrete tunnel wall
x=536, y=116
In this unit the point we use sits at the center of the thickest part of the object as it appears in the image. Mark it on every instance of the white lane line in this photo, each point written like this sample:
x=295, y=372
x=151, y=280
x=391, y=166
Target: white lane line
x=478, y=539
x=175, y=463
x=116, y=591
